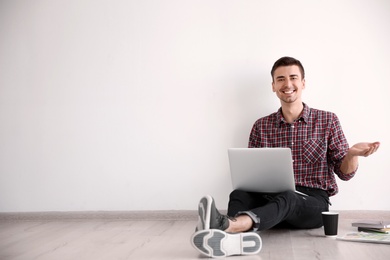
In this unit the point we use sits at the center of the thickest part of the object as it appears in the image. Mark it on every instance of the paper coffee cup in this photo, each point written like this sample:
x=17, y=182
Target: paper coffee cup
x=331, y=221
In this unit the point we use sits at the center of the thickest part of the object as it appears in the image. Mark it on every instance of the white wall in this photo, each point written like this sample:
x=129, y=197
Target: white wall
x=131, y=105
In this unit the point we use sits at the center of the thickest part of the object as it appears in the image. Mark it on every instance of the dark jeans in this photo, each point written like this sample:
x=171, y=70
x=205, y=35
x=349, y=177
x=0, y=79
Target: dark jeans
x=287, y=209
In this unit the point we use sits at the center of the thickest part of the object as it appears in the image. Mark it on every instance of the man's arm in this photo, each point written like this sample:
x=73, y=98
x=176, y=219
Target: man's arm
x=350, y=161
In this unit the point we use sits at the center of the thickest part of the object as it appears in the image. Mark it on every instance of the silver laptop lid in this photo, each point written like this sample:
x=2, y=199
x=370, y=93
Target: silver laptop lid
x=261, y=169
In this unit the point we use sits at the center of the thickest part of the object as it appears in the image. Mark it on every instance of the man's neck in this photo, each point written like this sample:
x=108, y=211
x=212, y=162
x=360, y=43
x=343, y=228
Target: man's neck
x=291, y=111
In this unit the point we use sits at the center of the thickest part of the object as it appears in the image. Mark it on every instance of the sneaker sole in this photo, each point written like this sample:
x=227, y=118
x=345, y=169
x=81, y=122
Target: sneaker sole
x=217, y=243
x=204, y=209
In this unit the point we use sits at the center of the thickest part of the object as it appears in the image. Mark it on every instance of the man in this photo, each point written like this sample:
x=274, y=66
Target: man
x=320, y=151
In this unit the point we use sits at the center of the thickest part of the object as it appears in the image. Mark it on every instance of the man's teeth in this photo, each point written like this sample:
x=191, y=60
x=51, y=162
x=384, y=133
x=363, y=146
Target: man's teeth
x=288, y=92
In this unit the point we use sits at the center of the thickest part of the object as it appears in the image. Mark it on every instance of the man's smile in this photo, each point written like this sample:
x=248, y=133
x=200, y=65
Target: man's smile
x=288, y=92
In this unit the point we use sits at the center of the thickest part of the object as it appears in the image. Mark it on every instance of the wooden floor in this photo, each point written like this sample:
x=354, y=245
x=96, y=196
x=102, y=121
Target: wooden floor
x=96, y=238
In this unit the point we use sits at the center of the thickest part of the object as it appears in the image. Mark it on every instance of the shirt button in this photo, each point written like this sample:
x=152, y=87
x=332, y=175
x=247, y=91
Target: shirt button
x=292, y=143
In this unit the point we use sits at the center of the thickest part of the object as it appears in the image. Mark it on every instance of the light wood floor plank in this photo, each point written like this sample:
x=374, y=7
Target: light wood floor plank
x=103, y=239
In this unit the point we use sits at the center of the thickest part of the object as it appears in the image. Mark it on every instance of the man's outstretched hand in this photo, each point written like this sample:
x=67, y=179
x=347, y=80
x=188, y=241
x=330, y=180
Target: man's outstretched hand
x=364, y=149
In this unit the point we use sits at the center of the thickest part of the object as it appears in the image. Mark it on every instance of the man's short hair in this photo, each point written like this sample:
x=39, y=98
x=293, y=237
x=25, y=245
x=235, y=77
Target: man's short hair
x=287, y=61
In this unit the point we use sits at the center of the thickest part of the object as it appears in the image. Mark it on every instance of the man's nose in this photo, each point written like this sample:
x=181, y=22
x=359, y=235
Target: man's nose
x=288, y=82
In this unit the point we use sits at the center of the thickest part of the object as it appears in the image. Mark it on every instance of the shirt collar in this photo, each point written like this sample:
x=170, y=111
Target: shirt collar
x=304, y=117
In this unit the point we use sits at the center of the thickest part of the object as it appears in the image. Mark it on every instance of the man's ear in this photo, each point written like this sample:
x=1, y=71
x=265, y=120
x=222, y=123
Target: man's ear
x=304, y=83
x=273, y=87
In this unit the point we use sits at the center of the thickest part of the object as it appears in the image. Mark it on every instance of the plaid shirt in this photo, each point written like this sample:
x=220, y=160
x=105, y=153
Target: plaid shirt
x=317, y=143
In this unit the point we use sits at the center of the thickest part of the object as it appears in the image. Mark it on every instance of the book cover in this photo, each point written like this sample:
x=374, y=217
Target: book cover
x=378, y=230
x=372, y=224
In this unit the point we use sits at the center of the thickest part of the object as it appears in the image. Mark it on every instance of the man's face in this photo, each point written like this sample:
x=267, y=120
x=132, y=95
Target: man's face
x=288, y=84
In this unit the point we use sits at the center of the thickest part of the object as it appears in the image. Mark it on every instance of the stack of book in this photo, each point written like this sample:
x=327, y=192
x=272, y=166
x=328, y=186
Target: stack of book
x=378, y=226
x=369, y=231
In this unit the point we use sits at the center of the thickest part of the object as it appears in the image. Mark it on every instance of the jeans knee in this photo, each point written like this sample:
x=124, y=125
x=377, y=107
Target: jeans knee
x=238, y=194
x=289, y=194
x=287, y=199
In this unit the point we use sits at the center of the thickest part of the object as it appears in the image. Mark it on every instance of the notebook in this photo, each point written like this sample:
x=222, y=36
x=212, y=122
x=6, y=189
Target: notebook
x=267, y=170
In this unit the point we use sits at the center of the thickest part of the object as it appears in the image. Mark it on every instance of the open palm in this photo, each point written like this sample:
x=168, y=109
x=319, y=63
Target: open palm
x=364, y=149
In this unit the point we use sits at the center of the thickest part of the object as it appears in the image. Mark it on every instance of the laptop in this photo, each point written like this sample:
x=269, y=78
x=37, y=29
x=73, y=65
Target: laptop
x=266, y=170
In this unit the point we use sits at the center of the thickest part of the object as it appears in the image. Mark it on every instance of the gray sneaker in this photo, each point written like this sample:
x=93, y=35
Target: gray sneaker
x=209, y=216
x=217, y=243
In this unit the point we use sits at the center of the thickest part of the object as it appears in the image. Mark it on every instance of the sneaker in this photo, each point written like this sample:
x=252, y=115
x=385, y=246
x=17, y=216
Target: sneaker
x=209, y=216
x=217, y=243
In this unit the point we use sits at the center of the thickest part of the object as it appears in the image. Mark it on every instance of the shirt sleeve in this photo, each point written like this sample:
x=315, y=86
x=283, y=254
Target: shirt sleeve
x=338, y=148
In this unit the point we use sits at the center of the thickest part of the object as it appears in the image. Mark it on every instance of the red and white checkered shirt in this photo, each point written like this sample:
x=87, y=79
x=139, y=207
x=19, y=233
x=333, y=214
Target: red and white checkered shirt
x=316, y=140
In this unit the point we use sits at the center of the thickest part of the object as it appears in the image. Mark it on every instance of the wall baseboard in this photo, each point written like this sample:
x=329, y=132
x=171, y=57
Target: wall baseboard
x=167, y=215
x=101, y=215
